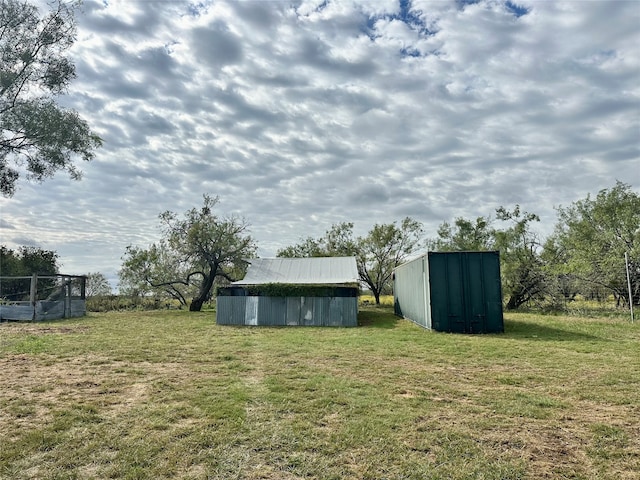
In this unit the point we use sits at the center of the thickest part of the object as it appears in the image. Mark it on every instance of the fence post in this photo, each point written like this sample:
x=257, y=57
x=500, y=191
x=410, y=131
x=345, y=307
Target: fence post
x=32, y=294
x=67, y=297
x=34, y=289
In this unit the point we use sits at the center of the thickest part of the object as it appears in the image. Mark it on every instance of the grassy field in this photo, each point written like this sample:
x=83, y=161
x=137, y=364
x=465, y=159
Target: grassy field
x=172, y=395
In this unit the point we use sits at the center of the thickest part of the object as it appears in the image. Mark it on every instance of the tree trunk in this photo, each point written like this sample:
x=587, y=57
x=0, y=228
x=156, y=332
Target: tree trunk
x=203, y=293
x=376, y=295
x=512, y=304
x=196, y=304
x=516, y=299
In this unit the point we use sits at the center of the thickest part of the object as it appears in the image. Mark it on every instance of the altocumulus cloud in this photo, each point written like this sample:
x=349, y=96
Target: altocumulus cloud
x=306, y=113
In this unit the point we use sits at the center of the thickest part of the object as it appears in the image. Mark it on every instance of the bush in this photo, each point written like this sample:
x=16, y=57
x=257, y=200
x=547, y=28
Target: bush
x=107, y=303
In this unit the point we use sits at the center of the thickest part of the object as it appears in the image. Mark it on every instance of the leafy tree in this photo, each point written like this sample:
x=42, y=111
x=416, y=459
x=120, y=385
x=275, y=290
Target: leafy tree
x=97, y=285
x=464, y=235
x=25, y=261
x=36, y=134
x=195, y=250
x=338, y=241
x=592, y=236
x=562, y=287
x=10, y=262
x=159, y=271
x=385, y=247
x=309, y=247
x=522, y=268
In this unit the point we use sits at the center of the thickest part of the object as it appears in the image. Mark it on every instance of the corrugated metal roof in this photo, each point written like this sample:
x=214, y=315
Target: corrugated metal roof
x=316, y=270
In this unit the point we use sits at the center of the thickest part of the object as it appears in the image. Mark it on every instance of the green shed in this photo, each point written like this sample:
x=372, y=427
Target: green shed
x=457, y=292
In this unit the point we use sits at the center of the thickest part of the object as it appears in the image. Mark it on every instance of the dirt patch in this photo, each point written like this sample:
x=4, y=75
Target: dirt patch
x=31, y=389
x=554, y=451
x=20, y=328
x=404, y=393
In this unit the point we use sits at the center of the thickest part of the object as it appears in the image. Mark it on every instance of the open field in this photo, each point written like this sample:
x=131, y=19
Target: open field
x=172, y=395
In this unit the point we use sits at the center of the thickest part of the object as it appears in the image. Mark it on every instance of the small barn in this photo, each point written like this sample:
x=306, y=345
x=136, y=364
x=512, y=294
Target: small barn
x=456, y=292
x=320, y=292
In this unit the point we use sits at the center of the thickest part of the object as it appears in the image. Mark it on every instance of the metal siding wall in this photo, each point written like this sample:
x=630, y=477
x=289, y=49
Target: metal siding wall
x=425, y=294
x=276, y=311
x=293, y=307
x=238, y=310
x=477, y=306
x=336, y=317
x=438, y=290
x=349, y=307
x=456, y=293
x=272, y=311
x=78, y=308
x=44, y=310
x=493, y=293
x=465, y=292
x=410, y=293
x=306, y=311
x=16, y=312
x=318, y=317
x=230, y=310
x=223, y=309
x=476, y=283
x=251, y=310
x=50, y=310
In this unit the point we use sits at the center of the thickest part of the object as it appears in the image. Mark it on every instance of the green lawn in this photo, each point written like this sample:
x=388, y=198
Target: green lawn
x=172, y=395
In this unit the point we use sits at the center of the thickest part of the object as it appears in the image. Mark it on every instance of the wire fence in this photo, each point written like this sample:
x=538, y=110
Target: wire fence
x=46, y=297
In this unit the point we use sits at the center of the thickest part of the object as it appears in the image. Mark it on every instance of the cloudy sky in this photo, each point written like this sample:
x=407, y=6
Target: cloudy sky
x=301, y=114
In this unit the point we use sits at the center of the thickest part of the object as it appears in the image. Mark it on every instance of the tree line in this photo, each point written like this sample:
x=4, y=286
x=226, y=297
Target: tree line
x=585, y=254
x=199, y=250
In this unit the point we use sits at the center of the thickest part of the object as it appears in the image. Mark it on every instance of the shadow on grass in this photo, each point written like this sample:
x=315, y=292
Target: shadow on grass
x=377, y=317
x=384, y=318
x=518, y=329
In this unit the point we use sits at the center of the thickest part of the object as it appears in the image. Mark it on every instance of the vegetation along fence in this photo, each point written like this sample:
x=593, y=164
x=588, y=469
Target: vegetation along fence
x=37, y=298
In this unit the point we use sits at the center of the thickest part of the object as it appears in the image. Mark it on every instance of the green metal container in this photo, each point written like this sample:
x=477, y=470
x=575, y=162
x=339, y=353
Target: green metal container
x=456, y=292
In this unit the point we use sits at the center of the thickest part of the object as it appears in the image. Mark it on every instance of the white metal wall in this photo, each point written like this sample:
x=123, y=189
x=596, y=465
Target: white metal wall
x=411, y=292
